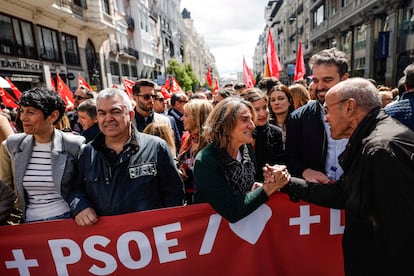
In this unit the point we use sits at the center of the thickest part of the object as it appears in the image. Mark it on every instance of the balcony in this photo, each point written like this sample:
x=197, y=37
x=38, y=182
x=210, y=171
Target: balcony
x=131, y=51
x=70, y=6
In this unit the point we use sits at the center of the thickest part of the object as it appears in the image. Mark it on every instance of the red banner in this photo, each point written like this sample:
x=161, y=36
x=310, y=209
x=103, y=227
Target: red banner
x=128, y=84
x=83, y=82
x=279, y=238
x=64, y=92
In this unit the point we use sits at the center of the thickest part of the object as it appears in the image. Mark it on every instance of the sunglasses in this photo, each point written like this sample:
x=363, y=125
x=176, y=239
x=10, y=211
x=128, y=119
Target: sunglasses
x=77, y=97
x=160, y=99
x=147, y=96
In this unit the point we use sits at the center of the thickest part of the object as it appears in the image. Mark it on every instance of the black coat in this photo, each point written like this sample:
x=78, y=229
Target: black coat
x=306, y=140
x=377, y=193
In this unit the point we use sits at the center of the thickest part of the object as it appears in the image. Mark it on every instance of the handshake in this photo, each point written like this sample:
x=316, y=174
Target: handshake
x=275, y=178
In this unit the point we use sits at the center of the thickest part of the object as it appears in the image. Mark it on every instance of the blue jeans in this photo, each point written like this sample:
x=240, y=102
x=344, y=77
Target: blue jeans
x=63, y=216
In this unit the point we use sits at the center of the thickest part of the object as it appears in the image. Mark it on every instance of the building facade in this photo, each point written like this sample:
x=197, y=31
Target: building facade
x=377, y=35
x=104, y=41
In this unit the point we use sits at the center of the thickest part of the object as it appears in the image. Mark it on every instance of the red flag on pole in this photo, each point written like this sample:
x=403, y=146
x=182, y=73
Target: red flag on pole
x=52, y=83
x=64, y=92
x=128, y=84
x=15, y=90
x=216, y=87
x=248, y=78
x=7, y=99
x=273, y=66
x=300, y=69
x=82, y=82
x=209, y=78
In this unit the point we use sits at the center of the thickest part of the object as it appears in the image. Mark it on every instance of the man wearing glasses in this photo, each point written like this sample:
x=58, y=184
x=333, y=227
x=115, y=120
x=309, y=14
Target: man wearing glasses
x=144, y=95
x=145, y=98
x=376, y=189
x=81, y=94
x=311, y=152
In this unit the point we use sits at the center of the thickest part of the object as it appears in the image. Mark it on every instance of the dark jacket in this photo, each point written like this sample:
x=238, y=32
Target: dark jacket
x=377, y=193
x=177, y=115
x=142, y=177
x=91, y=132
x=403, y=109
x=268, y=147
x=306, y=140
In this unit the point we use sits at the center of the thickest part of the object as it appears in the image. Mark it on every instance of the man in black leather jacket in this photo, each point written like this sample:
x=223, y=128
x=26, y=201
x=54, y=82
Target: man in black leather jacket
x=123, y=170
x=377, y=186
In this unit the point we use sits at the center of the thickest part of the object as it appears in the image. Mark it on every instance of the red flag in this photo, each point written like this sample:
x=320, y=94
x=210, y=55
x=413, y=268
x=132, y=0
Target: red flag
x=64, y=92
x=7, y=99
x=209, y=78
x=300, y=69
x=128, y=84
x=15, y=90
x=216, y=87
x=52, y=83
x=248, y=78
x=82, y=82
x=165, y=93
x=273, y=66
x=174, y=87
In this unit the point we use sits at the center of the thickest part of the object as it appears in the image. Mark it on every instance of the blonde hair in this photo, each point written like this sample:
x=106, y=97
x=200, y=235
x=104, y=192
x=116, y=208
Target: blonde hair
x=163, y=131
x=63, y=124
x=300, y=95
x=200, y=109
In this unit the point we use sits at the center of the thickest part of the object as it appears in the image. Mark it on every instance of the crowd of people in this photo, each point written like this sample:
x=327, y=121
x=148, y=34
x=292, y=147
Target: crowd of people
x=339, y=142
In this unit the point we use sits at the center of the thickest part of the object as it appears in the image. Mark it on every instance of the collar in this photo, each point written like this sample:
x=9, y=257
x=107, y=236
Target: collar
x=365, y=127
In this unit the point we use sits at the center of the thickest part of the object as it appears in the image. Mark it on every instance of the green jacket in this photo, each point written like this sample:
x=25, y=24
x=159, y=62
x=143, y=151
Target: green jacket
x=211, y=173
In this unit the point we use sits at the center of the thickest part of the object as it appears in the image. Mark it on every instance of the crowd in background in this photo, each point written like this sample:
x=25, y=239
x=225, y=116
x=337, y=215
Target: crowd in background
x=233, y=149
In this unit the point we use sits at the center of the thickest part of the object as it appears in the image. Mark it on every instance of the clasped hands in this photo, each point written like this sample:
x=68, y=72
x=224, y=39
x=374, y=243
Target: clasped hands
x=275, y=178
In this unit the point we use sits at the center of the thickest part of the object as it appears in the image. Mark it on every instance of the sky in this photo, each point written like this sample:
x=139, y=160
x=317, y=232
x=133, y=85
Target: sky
x=231, y=29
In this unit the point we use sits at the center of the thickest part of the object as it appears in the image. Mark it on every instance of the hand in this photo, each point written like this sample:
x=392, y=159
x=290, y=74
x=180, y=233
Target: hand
x=315, y=176
x=86, y=217
x=256, y=185
x=275, y=178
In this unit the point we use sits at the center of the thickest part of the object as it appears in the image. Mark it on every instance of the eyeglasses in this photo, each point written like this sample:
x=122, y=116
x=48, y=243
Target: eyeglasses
x=183, y=101
x=326, y=109
x=77, y=97
x=147, y=96
x=160, y=99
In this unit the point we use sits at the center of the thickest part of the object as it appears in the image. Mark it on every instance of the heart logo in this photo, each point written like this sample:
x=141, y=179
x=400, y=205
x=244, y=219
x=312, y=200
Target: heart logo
x=250, y=228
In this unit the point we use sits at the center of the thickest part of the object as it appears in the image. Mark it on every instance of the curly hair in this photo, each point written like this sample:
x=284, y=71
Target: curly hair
x=45, y=100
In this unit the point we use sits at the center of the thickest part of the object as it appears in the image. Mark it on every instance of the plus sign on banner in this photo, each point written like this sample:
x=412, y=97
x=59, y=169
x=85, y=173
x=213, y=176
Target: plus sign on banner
x=279, y=238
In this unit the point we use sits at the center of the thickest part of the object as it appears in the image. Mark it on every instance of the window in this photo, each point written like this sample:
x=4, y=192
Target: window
x=114, y=68
x=318, y=16
x=105, y=6
x=125, y=70
x=70, y=49
x=48, y=44
x=16, y=37
x=134, y=71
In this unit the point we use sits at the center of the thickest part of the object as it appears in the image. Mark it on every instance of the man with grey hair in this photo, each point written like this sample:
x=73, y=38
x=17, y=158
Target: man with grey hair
x=122, y=169
x=377, y=186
